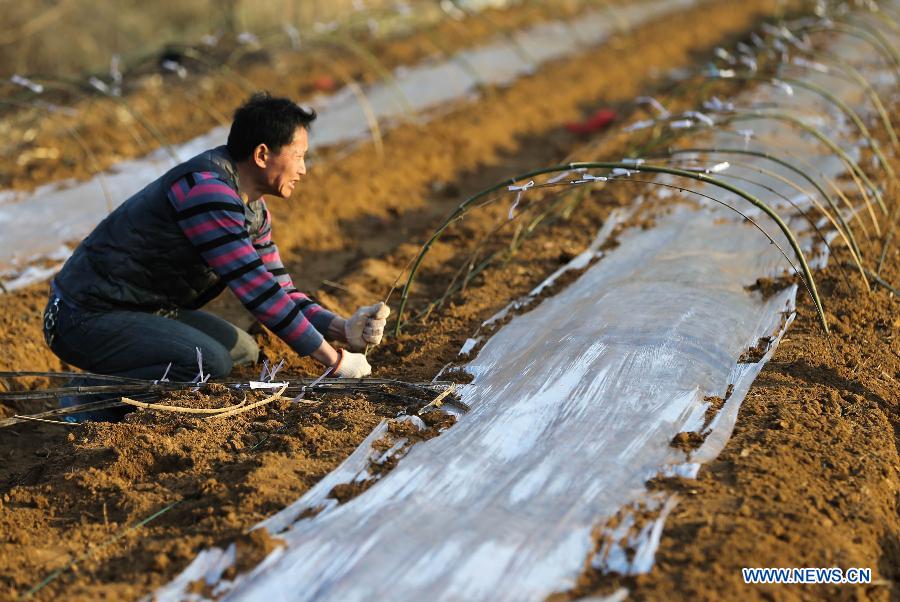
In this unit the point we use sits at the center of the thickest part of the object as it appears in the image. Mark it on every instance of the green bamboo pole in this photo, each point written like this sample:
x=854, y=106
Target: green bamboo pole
x=854, y=75
x=880, y=45
x=786, y=164
x=828, y=96
x=461, y=209
x=804, y=163
x=783, y=197
x=812, y=198
x=821, y=137
x=477, y=269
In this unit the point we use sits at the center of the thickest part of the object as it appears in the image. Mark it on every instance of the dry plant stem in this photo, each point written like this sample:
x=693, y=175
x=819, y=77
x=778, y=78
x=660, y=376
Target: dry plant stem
x=882, y=282
x=438, y=401
x=306, y=401
x=386, y=75
x=509, y=37
x=136, y=115
x=232, y=76
x=154, y=131
x=472, y=269
x=252, y=406
x=86, y=407
x=460, y=59
x=364, y=104
x=179, y=409
x=364, y=385
x=807, y=274
x=331, y=383
x=866, y=202
x=87, y=390
x=43, y=420
x=502, y=223
x=412, y=261
x=615, y=16
x=884, y=249
x=551, y=16
x=92, y=375
x=43, y=19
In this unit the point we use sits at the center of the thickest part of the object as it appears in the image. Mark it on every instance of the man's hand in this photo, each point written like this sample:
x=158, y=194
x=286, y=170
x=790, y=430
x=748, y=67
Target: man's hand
x=366, y=326
x=351, y=365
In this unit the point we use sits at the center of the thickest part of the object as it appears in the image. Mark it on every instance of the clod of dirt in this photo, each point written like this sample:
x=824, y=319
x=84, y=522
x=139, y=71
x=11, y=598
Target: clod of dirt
x=344, y=492
x=688, y=441
x=769, y=287
x=458, y=375
x=253, y=547
x=438, y=420
x=715, y=405
x=757, y=352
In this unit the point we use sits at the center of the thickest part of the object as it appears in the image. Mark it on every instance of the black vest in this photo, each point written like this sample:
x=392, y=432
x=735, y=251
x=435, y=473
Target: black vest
x=138, y=258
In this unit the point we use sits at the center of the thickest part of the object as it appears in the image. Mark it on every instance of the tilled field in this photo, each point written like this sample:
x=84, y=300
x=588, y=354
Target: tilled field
x=780, y=494
x=810, y=475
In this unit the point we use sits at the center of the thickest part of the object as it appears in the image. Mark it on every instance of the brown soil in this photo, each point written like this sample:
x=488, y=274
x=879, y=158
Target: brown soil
x=811, y=476
x=67, y=490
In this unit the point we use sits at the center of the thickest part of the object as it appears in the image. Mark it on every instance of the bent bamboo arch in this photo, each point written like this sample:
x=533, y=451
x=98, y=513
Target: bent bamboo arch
x=631, y=167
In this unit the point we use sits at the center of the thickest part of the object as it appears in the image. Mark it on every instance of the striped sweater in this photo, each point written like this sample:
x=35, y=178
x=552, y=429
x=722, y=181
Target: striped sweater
x=211, y=215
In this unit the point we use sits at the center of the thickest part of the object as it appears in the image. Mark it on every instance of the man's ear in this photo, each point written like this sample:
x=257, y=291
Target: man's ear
x=260, y=155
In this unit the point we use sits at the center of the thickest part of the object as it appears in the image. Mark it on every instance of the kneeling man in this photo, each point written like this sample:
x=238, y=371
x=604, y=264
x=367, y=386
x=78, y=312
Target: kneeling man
x=127, y=301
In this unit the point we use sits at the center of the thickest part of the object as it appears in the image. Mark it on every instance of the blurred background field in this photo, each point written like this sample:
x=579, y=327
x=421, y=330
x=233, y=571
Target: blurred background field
x=87, y=86
x=70, y=37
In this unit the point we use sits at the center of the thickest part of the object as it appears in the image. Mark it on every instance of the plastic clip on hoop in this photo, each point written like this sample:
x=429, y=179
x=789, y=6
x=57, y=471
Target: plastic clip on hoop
x=519, y=190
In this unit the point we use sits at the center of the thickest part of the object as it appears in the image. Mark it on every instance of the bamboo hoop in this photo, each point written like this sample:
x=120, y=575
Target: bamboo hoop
x=462, y=208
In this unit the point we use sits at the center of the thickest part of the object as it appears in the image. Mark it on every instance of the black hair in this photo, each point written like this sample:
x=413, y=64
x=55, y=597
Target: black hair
x=264, y=119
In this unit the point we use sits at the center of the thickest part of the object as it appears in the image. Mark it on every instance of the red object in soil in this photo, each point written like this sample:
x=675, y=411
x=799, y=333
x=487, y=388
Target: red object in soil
x=325, y=83
x=594, y=123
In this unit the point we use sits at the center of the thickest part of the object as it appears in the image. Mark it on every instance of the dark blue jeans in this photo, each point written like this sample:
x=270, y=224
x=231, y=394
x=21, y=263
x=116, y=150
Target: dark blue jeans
x=142, y=345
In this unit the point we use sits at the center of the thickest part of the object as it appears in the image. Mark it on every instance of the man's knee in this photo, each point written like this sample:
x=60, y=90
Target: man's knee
x=245, y=350
x=217, y=362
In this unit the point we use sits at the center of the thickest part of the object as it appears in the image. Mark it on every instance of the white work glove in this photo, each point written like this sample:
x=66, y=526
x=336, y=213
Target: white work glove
x=351, y=365
x=366, y=326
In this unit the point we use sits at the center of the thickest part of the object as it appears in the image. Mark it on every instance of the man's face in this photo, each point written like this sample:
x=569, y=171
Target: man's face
x=284, y=168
